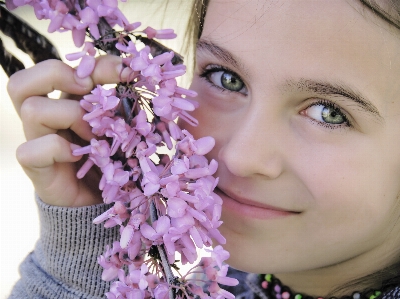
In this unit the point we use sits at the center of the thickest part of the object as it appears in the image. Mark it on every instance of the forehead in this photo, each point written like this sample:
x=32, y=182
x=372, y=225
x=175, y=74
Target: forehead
x=256, y=13
x=322, y=39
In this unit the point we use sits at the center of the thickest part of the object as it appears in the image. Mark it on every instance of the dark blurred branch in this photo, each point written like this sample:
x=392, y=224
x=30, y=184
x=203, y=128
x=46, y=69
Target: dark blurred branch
x=27, y=39
x=9, y=63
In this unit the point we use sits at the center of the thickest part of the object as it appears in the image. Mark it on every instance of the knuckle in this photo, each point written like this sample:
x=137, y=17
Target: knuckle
x=51, y=64
x=76, y=108
x=13, y=85
x=75, y=113
x=29, y=110
x=106, y=69
x=23, y=155
x=40, y=151
x=56, y=143
x=55, y=70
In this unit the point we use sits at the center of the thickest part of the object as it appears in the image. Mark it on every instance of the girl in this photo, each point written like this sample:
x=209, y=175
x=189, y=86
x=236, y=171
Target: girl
x=302, y=98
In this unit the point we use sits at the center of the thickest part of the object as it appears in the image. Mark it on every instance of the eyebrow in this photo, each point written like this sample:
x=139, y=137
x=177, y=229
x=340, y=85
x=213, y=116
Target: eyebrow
x=318, y=87
x=337, y=89
x=221, y=54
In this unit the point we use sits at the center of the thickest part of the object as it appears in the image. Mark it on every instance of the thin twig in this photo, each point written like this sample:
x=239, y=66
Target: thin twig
x=161, y=250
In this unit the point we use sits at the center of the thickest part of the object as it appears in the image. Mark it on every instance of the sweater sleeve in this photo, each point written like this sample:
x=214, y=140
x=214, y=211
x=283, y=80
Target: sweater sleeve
x=64, y=262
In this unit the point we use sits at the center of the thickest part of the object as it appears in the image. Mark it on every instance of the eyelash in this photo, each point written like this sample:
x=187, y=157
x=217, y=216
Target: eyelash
x=210, y=69
x=329, y=104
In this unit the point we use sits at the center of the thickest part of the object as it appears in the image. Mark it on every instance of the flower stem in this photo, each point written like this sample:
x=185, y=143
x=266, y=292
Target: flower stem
x=106, y=32
x=164, y=260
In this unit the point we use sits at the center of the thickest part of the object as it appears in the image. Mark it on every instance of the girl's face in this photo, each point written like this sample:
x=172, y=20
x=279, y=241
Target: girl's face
x=303, y=100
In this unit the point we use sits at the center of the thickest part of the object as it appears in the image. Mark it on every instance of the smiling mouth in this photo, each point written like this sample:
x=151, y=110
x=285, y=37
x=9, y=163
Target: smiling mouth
x=250, y=208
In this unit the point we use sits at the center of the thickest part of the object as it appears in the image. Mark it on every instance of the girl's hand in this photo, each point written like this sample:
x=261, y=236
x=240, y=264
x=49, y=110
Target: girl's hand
x=54, y=127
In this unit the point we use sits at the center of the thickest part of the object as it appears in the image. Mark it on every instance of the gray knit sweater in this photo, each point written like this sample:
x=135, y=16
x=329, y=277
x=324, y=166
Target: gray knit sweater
x=64, y=262
x=64, y=265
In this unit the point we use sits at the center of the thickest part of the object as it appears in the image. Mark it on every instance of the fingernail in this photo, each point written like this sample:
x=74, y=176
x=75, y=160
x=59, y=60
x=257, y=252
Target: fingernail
x=123, y=72
x=85, y=82
x=74, y=147
x=119, y=68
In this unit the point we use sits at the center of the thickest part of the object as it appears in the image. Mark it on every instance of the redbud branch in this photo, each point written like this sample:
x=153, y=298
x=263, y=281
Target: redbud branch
x=164, y=260
x=127, y=103
x=107, y=32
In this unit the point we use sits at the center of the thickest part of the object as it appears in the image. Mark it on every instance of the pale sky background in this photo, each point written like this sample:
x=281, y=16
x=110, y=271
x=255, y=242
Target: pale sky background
x=19, y=228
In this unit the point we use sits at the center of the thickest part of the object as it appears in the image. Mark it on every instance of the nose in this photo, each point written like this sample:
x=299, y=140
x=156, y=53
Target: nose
x=253, y=146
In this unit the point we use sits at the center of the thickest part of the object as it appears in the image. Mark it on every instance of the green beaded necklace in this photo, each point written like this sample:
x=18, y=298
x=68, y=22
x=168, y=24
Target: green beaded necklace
x=273, y=288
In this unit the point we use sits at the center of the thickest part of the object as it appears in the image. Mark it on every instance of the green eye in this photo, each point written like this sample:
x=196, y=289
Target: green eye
x=230, y=81
x=326, y=113
x=332, y=116
x=225, y=79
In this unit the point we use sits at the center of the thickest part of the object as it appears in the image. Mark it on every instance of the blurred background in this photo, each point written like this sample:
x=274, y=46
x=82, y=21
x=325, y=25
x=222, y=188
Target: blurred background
x=19, y=228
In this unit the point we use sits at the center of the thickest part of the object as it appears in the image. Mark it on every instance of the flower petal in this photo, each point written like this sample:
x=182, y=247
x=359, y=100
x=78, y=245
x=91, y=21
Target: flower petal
x=86, y=66
x=126, y=236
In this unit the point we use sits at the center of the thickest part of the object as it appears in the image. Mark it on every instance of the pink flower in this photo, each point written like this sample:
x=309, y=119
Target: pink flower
x=152, y=73
x=157, y=230
x=140, y=123
x=161, y=291
x=219, y=255
x=176, y=207
x=196, y=173
x=198, y=291
x=161, y=34
x=131, y=26
x=89, y=18
x=105, y=97
x=119, y=131
x=87, y=62
x=117, y=211
x=221, y=277
x=171, y=107
x=150, y=183
x=180, y=189
x=57, y=16
x=110, y=264
x=141, y=61
x=130, y=48
x=217, y=292
x=127, y=235
x=138, y=277
x=10, y=4
x=161, y=127
x=174, y=130
x=180, y=166
x=135, y=169
x=183, y=223
x=78, y=36
x=190, y=146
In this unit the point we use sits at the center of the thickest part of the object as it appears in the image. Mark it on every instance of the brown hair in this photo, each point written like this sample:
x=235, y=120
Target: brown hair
x=388, y=10
x=195, y=25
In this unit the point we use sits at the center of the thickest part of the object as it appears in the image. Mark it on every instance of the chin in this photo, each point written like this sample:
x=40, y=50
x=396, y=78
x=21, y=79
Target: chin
x=250, y=256
x=242, y=256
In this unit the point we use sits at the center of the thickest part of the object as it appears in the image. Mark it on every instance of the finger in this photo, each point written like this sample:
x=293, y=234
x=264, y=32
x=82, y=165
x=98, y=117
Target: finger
x=51, y=75
x=45, y=151
x=42, y=116
x=48, y=163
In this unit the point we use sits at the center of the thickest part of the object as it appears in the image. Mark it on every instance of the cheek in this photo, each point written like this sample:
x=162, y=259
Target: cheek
x=213, y=120
x=354, y=194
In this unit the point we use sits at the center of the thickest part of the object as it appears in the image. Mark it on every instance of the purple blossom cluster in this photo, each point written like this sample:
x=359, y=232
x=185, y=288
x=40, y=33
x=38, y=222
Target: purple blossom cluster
x=164, y=206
